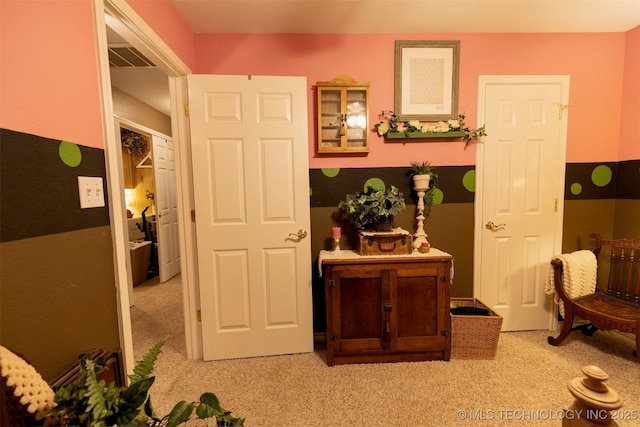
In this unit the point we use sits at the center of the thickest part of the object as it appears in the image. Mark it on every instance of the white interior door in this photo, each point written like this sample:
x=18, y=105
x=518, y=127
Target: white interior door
x=251, y=189
x=164, y=173
x=520, y=183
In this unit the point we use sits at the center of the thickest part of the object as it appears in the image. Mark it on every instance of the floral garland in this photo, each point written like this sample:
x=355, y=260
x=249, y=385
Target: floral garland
x=389, y=122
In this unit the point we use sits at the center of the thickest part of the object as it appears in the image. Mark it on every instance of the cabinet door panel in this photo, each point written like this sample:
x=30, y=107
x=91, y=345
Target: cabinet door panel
x=356, y=112
x=358, y=310
x=420, y=309
x=360, y=302
x=417, y=306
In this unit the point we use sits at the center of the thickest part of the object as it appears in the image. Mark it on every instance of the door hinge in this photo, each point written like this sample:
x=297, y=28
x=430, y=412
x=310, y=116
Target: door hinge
x=199, y=315
x=555, y=205
x=444, y=279
x=560, y=108
x=332, y=283
x=186, y=110
x=333, y=337
x=444, y=333
x=193, y=216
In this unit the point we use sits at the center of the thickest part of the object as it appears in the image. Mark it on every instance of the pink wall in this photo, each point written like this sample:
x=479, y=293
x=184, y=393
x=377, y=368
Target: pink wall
x=630, y=115
x=164, y=19
x=49, y=76
x=595, y=62
x=49, y=70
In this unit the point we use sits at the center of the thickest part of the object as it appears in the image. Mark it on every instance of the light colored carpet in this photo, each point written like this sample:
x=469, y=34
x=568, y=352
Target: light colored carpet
x=525, y=385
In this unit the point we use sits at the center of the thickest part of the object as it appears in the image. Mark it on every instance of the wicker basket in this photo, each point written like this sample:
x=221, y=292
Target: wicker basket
x=474, y=337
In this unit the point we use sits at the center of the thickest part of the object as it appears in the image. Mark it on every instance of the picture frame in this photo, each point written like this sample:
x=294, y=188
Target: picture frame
x=426, y=79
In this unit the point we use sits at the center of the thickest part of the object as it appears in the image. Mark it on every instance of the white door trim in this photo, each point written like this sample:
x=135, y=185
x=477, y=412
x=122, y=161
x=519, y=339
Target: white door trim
x=139, y=127
x=135, y=30
x=483, y=83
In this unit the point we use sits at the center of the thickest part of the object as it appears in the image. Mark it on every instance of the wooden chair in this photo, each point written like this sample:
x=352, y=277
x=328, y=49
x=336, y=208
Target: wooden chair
x=616, y=308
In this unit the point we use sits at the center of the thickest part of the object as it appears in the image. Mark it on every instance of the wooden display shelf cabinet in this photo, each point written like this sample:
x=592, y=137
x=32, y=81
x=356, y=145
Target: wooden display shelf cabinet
x=387, y=308
x=343, y=116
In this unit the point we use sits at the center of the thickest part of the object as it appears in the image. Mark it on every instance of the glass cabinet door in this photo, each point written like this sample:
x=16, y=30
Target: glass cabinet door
x=356, y=118
x=330, y=119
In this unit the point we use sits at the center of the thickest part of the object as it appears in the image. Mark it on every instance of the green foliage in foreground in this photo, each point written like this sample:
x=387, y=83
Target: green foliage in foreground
x=91, y=402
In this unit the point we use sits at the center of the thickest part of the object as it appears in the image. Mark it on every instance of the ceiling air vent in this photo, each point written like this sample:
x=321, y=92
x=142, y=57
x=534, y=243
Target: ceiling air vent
x=127, y=56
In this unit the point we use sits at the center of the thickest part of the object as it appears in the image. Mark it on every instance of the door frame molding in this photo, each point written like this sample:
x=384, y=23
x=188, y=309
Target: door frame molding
x=483, y=82
x=128, y=24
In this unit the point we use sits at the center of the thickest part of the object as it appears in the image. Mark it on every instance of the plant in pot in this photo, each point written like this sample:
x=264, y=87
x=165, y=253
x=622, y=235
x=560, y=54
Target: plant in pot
x=424, y=179
x=373, y=208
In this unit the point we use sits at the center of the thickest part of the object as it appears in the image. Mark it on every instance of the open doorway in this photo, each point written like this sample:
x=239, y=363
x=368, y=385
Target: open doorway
x=141, y=106
x=121, y=18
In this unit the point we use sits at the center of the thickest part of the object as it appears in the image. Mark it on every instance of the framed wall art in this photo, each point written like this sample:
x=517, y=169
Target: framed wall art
x=426, y=79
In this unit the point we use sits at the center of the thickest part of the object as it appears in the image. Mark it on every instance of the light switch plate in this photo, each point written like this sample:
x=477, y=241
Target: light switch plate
x=91, y=192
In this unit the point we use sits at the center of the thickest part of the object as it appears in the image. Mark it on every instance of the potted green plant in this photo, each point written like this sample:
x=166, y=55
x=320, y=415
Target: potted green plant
x=91, y=402
x=420, y=172
x=373, y=209
x=424, y=179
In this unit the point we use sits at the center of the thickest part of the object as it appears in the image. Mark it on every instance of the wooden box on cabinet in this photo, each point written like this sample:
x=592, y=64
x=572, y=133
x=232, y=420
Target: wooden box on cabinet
x=343, y=116
x=384, y=243
x=387, y=309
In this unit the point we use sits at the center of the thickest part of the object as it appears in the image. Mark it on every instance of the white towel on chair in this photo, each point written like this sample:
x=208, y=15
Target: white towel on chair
x=580, y=269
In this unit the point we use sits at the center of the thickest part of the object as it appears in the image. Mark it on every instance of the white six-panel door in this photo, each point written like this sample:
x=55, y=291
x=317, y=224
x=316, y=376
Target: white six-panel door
x=251, y=191
x=520, y=184
x=164, y=173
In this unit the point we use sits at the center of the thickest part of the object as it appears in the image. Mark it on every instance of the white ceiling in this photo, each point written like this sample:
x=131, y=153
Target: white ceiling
x=408, y=16
x=379, y=16
x=149, y=85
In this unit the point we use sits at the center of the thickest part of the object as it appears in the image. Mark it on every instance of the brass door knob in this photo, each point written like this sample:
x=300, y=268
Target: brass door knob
x=491, y=226
x=301, y=234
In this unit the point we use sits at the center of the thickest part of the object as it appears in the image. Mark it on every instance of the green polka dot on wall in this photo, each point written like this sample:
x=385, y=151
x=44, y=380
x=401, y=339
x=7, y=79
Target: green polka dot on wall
x=469, y=180
x=438, y=196
x=330, y=172
x=375, y=184
x=601, y=175
x=70, y=153
x=576, y=188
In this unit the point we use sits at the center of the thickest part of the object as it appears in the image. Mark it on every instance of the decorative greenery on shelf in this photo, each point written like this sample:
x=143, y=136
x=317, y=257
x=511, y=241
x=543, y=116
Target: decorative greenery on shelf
x=134, y=142
x=425, y=168
x=391, y=127
x=91, y=402
x=366, y=209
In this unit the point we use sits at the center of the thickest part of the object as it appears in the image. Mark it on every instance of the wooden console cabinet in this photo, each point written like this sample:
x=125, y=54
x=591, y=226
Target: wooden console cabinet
x=387, y=309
